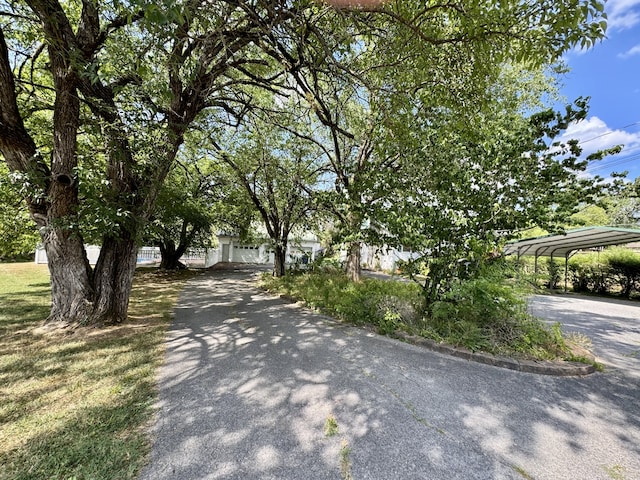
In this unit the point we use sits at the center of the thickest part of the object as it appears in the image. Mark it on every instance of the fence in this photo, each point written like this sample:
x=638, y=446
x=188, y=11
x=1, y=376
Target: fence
x=146, y=255
x=193, y=256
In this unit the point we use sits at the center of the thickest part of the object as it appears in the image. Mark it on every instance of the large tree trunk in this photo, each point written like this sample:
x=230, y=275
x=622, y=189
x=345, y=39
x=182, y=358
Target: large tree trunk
x=54, y=206
x=72, y=291
x=170, y=255
x=71, y=280
x=353, y=267
x=113, y=279
x=280, y=256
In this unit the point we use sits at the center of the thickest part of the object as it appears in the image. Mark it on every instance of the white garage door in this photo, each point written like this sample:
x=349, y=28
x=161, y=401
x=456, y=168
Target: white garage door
x=246, y=253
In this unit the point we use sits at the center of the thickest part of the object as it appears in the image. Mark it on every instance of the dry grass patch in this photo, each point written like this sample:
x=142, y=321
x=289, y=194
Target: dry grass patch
x=74, y=404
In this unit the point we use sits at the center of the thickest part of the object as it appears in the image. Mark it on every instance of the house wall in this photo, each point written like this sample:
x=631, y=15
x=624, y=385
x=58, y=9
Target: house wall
x=383, y=258
x=260, y=254
x=145, y=255
x=374, y=258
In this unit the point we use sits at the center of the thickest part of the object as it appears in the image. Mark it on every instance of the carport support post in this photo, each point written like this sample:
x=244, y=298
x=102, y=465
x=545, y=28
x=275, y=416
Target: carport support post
x=566, y=270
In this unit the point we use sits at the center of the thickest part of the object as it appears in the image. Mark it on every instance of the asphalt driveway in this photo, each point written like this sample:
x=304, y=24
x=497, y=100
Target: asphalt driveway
x=612, y=325
x=250, y=380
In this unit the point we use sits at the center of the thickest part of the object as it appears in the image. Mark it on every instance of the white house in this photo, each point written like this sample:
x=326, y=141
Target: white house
x=300, y=248
x=383, y=258
x=93, y=252
x=231, y=249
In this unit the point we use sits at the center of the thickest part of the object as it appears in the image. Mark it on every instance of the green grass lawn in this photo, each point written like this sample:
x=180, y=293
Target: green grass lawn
x=76, y=405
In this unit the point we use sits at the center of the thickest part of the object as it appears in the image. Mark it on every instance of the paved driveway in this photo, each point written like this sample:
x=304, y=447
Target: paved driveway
x=250, y=381
x=612, y=325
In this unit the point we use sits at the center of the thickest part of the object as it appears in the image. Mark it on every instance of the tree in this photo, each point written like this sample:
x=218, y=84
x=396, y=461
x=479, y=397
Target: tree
x=448, y=55
x=149, y=72
x=135, y=70
x=623, y=206
x=624, y=265
x=590, y=216
x=277, y=171
x=183, y=216
x=197, y=198
x=471, y=189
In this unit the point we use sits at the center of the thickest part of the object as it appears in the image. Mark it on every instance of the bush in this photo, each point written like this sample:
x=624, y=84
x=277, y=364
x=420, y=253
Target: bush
x=484, y=313
x=624, y=268
x=589, y=273
x=553, y=273
x=371, y=301
x=326, y=264
x=615, y=270
x=487, y=314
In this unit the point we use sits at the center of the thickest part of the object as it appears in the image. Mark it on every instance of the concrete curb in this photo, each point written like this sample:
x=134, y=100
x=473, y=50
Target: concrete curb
x=541, y=367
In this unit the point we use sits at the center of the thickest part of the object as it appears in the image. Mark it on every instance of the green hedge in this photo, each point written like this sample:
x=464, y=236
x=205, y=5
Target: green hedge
x=614, y=271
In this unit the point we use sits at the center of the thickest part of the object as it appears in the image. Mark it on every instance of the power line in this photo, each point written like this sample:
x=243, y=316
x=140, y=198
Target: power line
x=617, y=162
x=624, y=153
x=609, y=133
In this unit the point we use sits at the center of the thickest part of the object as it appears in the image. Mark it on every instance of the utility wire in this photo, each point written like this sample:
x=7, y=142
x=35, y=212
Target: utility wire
x=617, y=162
x=609, y=133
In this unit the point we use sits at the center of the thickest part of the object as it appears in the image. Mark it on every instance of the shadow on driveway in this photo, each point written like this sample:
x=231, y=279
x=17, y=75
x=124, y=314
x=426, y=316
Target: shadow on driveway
x=250, y=381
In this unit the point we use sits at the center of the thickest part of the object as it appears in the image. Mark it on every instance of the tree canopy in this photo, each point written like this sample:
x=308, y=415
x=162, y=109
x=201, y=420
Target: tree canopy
x=97, y=100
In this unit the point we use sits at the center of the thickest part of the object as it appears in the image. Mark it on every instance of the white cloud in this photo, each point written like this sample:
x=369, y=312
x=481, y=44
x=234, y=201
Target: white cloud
x=622, y=14
x=631, y=52
x=594, y=135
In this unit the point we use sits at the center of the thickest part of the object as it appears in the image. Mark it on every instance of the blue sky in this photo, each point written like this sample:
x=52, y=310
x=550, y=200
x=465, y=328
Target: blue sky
x=610, y=74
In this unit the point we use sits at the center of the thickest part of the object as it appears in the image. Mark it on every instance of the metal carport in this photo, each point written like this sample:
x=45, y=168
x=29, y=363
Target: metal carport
x=571, y=241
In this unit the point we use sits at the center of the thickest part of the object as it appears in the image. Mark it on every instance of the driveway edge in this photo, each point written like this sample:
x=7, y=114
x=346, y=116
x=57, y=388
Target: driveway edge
x=558, y=368
x=541, y=367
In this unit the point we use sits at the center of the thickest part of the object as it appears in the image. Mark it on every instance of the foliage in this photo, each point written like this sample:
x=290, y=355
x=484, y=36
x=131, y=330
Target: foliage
x=590, y=216
x=463, y=190
x=623, y=207
x=76, y=405
x=18, y=233
x=615, y=270
x=130, y=80
x=378, y=101
x=137, y=78
x=184, y=213
x=485, y=313
x=371, y=301
x=624, y=266
x=589, y=272
x=554, y=270
x=197, y=198
x=277, y=172
x=331, y=426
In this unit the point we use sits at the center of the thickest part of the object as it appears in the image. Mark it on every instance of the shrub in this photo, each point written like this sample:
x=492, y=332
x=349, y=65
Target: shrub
x=326, y=264
x=371, y=301
x=615, y=270
x=624, y=268
x=553, y=273
x=589, y=272
x=487, y=312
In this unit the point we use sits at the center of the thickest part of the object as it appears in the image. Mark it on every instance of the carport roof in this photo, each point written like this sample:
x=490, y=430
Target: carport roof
x=572, y=240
